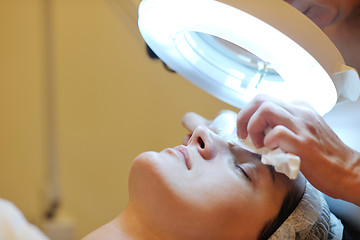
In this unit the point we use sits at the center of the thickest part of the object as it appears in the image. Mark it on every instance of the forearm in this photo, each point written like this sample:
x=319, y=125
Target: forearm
x=351, y=191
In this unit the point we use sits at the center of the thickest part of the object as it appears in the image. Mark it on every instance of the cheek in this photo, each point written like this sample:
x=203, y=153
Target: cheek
x=161, y=181
x=234, y=202
x=230, y=210
x=219, y=190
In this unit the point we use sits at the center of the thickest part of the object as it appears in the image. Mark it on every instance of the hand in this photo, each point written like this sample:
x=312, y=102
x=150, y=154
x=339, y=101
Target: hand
x=223, y=124
x=191, y=121
x=326, y=161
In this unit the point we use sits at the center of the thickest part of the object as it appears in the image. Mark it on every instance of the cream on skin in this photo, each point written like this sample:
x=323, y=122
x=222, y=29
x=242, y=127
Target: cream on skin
x=205, y=190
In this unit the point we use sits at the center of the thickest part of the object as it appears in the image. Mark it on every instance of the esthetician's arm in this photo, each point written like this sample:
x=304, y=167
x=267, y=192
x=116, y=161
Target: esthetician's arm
x=329, y=164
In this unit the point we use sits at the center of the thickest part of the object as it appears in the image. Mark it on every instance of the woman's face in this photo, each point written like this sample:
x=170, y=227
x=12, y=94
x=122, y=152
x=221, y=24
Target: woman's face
x=206, y=190
x=325, y=12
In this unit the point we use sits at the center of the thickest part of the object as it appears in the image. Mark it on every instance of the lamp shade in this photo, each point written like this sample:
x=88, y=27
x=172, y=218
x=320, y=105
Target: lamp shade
x=236, y=49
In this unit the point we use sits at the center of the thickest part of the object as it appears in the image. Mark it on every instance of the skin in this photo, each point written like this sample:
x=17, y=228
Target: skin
x=300, y=130
x=346, y=36
x=326, y=12
x=296, y=130
x=303, y=132
x=340, y=20
x=196, y=191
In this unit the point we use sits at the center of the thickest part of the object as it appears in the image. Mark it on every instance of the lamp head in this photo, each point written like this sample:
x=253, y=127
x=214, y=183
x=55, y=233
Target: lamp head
x=236, y=49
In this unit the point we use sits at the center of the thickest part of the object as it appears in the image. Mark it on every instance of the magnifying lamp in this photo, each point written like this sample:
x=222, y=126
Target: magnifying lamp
x=236, y=49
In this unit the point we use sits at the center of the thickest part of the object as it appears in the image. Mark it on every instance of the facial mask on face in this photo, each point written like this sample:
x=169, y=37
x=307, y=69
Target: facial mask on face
x=225, y=126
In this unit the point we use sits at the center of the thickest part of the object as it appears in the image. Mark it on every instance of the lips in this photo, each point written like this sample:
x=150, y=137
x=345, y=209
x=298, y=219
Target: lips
x=183, y=153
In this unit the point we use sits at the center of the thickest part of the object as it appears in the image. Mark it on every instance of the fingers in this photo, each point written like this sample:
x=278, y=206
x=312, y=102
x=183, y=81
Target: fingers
x=268, y=115
x=224, y=123
x=186, y=139
x=283, y=138
x=246, y=113
x=192, y=120
x=261, y=113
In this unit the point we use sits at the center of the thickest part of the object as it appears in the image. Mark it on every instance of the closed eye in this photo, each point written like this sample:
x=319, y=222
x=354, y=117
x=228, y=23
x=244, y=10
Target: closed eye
x=242, y=171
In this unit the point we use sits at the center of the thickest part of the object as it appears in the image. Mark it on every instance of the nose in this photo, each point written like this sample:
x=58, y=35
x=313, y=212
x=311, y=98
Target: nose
x=201, y=139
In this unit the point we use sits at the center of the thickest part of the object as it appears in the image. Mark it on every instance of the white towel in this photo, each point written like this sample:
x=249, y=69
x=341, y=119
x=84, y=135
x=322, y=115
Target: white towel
x=225, y=125
x=14, y=226
x=286, y=163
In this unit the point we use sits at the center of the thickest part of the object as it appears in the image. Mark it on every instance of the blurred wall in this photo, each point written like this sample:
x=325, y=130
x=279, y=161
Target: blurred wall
x=22, y=105
x=109, y=101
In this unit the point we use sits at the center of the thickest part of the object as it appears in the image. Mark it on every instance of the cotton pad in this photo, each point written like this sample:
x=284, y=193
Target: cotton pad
x=225, y=126
x=286, y=163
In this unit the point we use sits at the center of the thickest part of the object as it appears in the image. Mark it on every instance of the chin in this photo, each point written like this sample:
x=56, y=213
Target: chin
x=142, y=175
x=149, y=181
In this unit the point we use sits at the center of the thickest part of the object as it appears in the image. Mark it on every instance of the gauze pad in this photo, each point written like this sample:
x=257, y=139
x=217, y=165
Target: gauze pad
x=225, y=126
x=286, y=163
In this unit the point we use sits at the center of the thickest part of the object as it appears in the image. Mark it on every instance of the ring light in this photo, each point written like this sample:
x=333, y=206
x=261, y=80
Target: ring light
x=236, y=49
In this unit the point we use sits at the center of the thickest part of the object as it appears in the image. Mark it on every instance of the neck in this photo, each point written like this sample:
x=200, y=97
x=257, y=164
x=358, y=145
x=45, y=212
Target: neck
x=127, y=226
x=131, y=226
x=345, y=35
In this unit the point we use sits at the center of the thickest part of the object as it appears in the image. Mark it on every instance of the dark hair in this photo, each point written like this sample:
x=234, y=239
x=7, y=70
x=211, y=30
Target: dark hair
x=291, y=200
x=153, y=56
